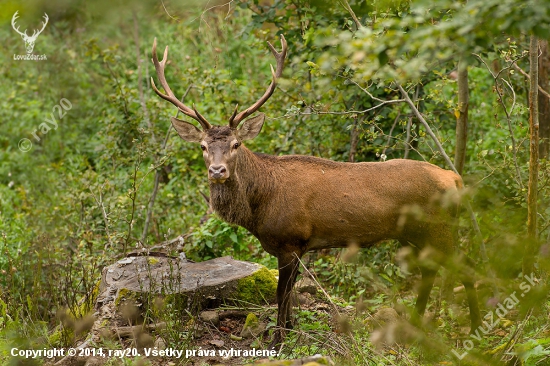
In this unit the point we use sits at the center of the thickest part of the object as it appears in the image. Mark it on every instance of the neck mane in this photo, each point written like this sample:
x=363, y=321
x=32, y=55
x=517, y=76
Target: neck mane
x=239, y=200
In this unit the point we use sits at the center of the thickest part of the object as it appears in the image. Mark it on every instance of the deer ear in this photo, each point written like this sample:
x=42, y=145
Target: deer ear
x=251, y=127
x=186, y=130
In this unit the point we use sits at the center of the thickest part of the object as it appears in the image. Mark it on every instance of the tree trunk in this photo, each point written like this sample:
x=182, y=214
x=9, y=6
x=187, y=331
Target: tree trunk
x=531, y=245
x=462, y=118
x=544, y=102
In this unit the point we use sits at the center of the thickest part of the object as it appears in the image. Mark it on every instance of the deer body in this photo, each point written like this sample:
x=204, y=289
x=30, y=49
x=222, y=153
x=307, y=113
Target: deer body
x=306, y=203
x=294, y=204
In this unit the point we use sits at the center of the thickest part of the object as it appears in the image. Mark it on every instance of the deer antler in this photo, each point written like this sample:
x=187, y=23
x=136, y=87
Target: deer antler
x=169, y=96
x=35, y=32
x=13, y=19
x=280, y=57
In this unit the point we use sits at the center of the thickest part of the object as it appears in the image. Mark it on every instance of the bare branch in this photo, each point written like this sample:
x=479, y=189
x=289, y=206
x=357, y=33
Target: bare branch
x=451, y=165
x=508, y=113
x=522, y=72
x=346, y=5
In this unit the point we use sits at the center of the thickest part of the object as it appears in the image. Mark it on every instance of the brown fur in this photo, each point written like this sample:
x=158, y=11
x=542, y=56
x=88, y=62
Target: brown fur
x=294, y=204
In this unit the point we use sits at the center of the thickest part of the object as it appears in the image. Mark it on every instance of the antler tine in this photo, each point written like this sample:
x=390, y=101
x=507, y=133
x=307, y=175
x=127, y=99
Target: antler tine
x=201, y=119
x=44, y=23
x=169, y=96
x=280, y=58
x=233, y=115
x=16, y=28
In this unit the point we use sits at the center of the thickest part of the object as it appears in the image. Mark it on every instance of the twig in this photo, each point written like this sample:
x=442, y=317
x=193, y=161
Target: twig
x=408, y=139
x=427, y=127
x=354, y=139
x=166, y=11
x=513, y=339
x=366, y=91
x=318, y=285
x=133, y=196
x=449, y=162
x=391, y=131
x=522, y=72
x=104, y=213
x=508, y=113
x=393, y=101
x=213, y=7
x=346, y=5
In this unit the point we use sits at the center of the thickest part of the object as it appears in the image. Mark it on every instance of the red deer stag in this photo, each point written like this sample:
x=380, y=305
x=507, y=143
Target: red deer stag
x=294, y=204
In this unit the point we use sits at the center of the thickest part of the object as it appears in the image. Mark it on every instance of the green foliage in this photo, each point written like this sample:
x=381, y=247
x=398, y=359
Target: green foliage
x=216, y=238
x=81, y=196
x=372, y=272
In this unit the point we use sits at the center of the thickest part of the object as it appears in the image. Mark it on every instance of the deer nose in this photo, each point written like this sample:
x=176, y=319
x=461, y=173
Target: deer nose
x=217, y=172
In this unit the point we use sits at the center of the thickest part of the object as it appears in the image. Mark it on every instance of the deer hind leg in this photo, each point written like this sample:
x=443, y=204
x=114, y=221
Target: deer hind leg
x=426, y=284
x=288, y=271
x=463, y=268
x=467, y=277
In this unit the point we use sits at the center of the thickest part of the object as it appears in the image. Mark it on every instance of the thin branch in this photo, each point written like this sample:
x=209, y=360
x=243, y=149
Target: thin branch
x=383, y=103
x=408, y=139
x=166, y=11
x=100, y=204
x=133, y=197
x=531, y=247
x=507, y=112
x=427, y=127
x=515, y=336
x=214, y=7
x=346, y=5
x=366, y=91
x=451, y=165
x=522, y=72
x=391, y=132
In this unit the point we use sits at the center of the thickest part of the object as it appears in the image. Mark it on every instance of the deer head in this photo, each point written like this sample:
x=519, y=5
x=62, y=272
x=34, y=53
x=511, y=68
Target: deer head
x=220, y=144
x=29, y=40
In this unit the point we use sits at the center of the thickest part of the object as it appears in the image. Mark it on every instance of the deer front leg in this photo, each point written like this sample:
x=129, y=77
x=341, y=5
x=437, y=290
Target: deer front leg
x=288, y=270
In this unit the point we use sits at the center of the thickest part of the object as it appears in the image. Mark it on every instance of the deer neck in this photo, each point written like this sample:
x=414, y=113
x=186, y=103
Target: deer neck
x=239, y=200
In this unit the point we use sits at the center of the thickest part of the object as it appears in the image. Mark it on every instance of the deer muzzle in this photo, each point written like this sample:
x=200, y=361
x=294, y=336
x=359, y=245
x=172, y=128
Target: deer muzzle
x=217, y=174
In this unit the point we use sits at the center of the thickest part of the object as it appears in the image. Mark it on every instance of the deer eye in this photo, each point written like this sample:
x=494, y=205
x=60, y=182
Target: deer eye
x=236, y=145
x=203, y=147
